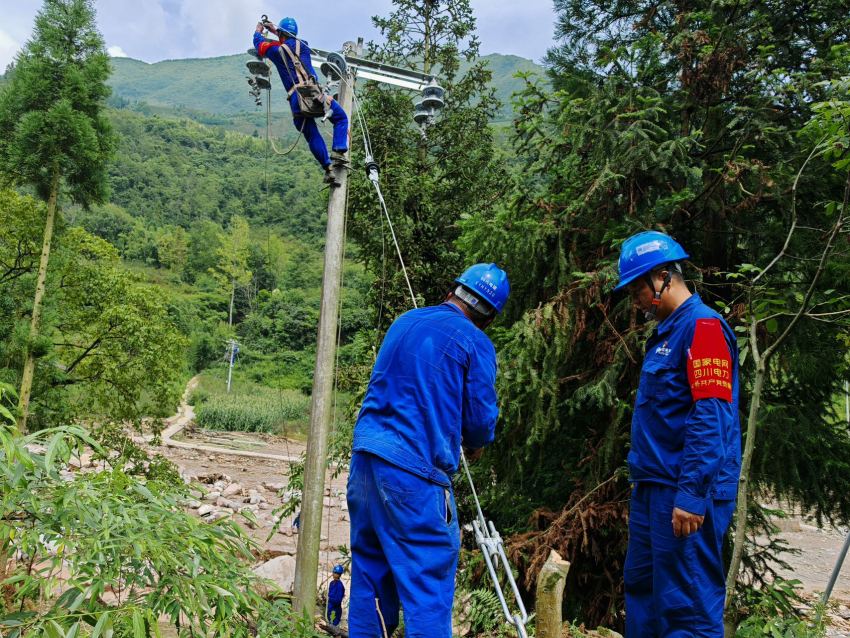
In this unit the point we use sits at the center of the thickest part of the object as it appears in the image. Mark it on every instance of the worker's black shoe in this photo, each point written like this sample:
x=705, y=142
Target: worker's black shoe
x=263, y=83
x=255, y=53
x=338, y=158
x=330, y=178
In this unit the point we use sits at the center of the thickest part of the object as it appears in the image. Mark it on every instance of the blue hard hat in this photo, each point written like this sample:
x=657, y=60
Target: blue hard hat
x=488, y=282
x=289, y=25
x=338, y=569
x=644, y=252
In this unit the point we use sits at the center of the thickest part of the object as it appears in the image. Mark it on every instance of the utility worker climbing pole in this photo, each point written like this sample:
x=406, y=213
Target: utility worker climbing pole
x=336, y=594
x=432, y=390
x=685, y=454
x=291, y=56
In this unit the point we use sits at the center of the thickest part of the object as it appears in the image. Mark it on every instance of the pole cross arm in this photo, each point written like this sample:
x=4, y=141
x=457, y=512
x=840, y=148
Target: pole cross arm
x=378, y=71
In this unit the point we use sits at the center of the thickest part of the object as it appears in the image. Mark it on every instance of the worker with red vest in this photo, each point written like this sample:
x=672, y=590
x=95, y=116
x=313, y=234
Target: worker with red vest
x=291, y=57
x=685, y=455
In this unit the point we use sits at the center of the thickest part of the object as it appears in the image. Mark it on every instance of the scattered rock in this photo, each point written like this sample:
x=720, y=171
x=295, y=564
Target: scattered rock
x=232, y=490
x=274, y=487
x=212, y=496
x=280, y=570
x=194, y=505
x=203, y=510
x=211, y=478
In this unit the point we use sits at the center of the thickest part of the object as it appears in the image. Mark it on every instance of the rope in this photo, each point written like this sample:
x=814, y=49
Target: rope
x=395, y=239
x=381, y=617
x=269, y=137
x=486, y=535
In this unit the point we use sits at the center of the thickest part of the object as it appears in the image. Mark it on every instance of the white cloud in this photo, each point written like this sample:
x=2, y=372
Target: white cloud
x=116, y=52
x=154, y=30
x=8, y=48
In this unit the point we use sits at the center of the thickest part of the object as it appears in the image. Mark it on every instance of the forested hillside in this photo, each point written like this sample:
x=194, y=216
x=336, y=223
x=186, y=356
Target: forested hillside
x=217, y=86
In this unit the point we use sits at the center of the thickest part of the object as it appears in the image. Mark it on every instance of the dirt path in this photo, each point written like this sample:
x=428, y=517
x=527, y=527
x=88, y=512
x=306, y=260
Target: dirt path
x=251, y=471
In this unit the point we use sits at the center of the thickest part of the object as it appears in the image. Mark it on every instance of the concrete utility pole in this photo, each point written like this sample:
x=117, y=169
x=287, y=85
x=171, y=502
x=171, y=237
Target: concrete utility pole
x=309, y=536
x=350, y=66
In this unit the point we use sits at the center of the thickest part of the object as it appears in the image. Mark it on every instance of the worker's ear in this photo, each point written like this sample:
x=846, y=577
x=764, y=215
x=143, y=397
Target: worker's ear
x=484, y=323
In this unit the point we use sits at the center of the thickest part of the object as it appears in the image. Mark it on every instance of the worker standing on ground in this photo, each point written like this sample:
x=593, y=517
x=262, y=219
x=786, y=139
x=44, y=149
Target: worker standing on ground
x=336, y=594
x=432, y=391
x=685, y=455
x=291, y=56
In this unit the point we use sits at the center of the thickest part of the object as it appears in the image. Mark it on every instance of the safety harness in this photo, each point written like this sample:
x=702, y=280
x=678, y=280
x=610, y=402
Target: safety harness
x=311, y=98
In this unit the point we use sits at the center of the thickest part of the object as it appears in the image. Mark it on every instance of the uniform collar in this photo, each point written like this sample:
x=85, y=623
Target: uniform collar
x=454, y=307
x=667, y=325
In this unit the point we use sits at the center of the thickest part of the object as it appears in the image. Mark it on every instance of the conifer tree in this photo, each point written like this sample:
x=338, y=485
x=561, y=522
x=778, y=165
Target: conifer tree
x=431, y=180
x=54, y=137
x=683, y=117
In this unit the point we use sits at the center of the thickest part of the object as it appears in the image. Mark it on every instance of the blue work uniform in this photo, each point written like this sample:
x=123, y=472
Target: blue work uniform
x=307, y=125
x=336, y=594
x=685, y=453
x=432, y=389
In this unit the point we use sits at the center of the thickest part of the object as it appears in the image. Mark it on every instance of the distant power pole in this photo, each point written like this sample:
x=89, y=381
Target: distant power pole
x=233, y=348
x=349, y=67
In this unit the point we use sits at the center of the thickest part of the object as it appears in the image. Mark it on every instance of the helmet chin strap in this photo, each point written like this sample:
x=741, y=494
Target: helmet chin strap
x=652, y=313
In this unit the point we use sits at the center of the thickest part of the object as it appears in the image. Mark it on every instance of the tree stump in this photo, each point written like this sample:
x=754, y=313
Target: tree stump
x=550, y=596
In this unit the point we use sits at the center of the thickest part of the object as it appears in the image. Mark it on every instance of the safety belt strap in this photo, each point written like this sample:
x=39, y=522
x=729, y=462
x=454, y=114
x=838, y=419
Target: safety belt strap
x=296, y=62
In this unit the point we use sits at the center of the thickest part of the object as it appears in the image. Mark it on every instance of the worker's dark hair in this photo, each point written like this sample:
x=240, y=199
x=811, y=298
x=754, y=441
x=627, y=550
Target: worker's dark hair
x=478, y=307
x=674, y=267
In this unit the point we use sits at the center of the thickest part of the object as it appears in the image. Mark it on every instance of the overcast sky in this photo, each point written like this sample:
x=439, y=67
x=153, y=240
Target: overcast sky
x=153, y=30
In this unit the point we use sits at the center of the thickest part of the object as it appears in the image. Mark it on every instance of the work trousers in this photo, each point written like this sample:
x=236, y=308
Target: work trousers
x=405, y=541
x=675, y=587
x=334, y=613
x=310, y=129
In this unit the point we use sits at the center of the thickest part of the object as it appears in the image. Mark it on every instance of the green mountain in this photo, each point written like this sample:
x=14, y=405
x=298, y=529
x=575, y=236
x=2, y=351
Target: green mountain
x=218, y=86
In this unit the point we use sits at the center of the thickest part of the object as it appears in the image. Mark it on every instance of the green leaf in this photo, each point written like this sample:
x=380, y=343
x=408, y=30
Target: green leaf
x=144, y=491
x=54, y=629
x=220, y=591
x=138, y=624
x=103, y=626
x=772, y=325
x=52, y=450
x=6, y=414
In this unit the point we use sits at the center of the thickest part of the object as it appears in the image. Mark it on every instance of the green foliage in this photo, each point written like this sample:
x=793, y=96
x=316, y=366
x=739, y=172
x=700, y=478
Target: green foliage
x=21, y=219
x=108, y=342
x=51, y=111
x=432, y=182
x=770, y=612
x=251, y=413
x=115, y=575
x=685, y=119
x=178, y=171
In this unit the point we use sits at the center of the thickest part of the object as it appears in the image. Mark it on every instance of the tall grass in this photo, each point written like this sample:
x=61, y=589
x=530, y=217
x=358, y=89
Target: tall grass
x=272, y=411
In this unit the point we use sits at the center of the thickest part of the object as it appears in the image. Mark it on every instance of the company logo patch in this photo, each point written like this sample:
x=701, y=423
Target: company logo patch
x=663, y=350
x=648, y=247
